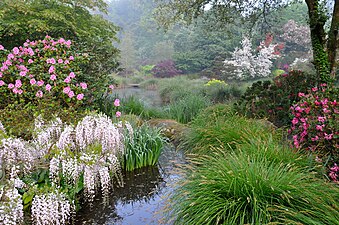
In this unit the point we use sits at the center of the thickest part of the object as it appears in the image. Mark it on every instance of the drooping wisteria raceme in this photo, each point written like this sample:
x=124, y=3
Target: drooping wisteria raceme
x=11, y=208
x=51, y=208
x=92, y=150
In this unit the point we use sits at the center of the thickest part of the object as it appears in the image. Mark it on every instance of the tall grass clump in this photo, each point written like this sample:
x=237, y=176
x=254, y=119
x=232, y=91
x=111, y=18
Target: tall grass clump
x=143, y=146
x=185, y=109
x=219, y=125
x=174, y=89
x=244, y=187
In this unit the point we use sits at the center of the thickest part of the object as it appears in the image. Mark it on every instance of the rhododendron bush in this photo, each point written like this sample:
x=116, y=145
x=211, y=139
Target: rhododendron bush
x=315, y=125
x=43, y=70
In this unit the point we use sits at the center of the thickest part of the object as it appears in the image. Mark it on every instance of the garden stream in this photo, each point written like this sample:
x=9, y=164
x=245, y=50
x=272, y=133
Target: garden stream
x=143, y=197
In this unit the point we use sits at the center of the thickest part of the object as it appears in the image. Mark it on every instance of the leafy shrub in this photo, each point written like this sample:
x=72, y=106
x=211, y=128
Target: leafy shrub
x=219, y=92
x=315, y=123
x=165, y=69
x=44, y=70
x=272, y=100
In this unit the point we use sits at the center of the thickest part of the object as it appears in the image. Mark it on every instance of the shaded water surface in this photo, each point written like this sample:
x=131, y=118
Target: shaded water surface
x=142, y=198
x=148, y=97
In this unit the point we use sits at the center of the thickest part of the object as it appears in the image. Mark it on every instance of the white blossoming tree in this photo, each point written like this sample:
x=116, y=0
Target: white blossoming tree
x=247, y=63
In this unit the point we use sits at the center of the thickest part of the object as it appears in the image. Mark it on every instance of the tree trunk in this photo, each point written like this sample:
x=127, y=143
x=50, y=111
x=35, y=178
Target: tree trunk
x=332, y=38
x=318, y=40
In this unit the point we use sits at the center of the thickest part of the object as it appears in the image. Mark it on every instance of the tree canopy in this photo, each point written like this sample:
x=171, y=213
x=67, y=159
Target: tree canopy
x=320, y=14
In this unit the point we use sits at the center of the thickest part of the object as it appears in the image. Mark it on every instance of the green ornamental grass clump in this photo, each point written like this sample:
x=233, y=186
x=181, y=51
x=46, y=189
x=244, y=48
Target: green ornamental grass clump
x=247, y=188
x=143, y=146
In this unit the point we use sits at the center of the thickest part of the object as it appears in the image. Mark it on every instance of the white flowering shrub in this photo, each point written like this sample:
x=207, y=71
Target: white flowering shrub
x=246, y=63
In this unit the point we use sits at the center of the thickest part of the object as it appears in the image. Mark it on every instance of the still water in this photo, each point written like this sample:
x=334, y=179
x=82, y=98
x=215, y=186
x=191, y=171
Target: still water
x=143, y=197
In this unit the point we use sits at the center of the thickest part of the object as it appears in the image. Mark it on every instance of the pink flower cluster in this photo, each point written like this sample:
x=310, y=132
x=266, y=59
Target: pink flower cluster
x=312, y=121
x=334, y=173
x=30, y=64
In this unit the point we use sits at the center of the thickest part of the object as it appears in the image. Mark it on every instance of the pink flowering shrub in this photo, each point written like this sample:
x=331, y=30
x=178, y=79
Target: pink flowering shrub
x=315, y=123
x=43, y=70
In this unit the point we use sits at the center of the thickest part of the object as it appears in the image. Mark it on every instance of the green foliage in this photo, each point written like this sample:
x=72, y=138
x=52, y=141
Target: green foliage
x=171, y=90
x=185, y=109
x=142, y=147
x=218, y=126
x=220, y=92
x=272, y=100
x=18, y=119
x=251, y=188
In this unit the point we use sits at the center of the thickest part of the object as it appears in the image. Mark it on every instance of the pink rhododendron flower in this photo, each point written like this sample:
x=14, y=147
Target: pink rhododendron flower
x=66, y=90
x=48, y=87
x=333, y=172
x=10, y=85
x=116, y=102
x=319, y=127
x=295, y=121
x=111, y=86
x=53, y=77
x=83, y=85
x=39, y=94
x=300, y=94
x=10, y=56
x=2, y=47
x=51, y=69
x=118, y=114
x=67, y=80
x=30, y=61
x=315, y=138
x=325, y=110
x=314, y=89
x=71, y=58
x=18, y=83
x=321, y=119
x=23, y=73
x=16, y=50
x=66, y=62
x=60, y=61
x=71, y=94
x=32, y=81
x=328, y=136
x=8, y=62
x=72, y=75
x=80, y=96
x=2, y=83
x=40, y=83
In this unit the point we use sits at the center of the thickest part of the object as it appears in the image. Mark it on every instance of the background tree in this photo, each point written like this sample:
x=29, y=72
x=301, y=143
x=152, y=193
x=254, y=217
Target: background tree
x=320, y=13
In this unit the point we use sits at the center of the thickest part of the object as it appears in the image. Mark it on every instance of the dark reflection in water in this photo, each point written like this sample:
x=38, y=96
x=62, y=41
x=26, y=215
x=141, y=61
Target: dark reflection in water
x=142, y=198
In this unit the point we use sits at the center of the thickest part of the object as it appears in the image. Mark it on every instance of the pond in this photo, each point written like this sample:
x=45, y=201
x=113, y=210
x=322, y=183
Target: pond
x=150, y=98
x=143, y=197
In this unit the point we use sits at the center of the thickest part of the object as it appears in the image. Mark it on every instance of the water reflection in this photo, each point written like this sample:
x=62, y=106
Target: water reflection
x=150, y=98
x=142, y=198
